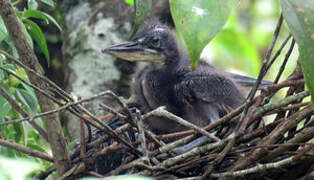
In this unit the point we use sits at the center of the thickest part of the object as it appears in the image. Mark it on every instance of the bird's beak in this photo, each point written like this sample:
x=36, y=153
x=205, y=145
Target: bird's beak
x=133, y=51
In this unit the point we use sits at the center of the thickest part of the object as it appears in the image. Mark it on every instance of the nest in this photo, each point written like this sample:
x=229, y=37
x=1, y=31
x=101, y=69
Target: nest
x=239, y=145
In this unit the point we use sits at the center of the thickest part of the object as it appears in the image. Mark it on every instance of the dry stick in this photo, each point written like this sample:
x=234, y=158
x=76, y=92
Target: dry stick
x=263, y=68
x=185, y=140
x=246, y=119
x=219, y=158
x=61, y=92
x=45, y=174
x=222, y=120
x=283, y=102
x=110, y=131
x=286, y=83
x=26, y=150
x=153, y=137
x=206, y=148
x=206, y=158
x=101, y=139
x=16, y=105
x=202, y=149
x=107, y=128
x=278, y=52
x=82, y=140
x=261, y=167
x=55, y=110
x=43, y=92
x=303, y=136
x=141, y=132
x=241, y=150
x=112, y=111
x=289, y=123
x=283, y=65
x=125, y=108
x=243, y=119
x=161, y=112
x=287, y=108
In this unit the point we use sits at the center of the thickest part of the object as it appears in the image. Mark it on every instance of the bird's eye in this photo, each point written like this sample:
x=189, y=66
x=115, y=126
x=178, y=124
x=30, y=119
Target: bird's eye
x=155, y=42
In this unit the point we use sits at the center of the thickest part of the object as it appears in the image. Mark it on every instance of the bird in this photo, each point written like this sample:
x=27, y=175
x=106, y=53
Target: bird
x=200, y=96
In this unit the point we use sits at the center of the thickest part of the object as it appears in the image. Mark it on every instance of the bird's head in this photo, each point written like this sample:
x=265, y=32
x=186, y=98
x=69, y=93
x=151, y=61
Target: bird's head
x=153, y=43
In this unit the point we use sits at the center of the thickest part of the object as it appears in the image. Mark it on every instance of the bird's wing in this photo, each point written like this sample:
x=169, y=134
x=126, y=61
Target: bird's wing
x=211, y=91
x=208, y=88
x=248, y=81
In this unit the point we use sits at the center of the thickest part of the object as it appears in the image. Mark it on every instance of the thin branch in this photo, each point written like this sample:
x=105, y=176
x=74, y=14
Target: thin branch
x=141, y=132
x=60, y=91
x=263, y=69
x=289, y=123
x=26, y=150
x=278, y=52
x=282, y=67
x=16, y=105
x=259, y=168
x=161, y=112
x=43, y=92
x=57, y=109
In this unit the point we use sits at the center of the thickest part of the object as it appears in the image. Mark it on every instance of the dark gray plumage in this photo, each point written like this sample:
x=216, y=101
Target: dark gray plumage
x=200, y=96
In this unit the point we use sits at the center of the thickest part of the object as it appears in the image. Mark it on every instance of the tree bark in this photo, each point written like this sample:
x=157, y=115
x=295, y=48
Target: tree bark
x=89, y=27
x=28, y=57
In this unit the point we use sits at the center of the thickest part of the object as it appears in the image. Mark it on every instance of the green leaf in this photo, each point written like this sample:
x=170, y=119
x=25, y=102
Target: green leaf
x=48, y=2
x=3, y=31
x=131, y=2
x=38, y=36
x=5, y=107
x=28, y=36
x=300, y=20
x=35, y=146
x=32, y=4
x=41, y=15
x=27, y=100
x=142, y=8
x=198, y=21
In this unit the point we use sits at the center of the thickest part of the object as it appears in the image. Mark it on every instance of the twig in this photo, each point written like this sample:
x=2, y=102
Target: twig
x=83, y=140
x=283, y=102
x=263, y=69
x=219, y=158
x=259, y=168
x=282, y=67
x=61, y=92
x=278, y=52
x=141, y=132
x=31, y=85
x=289, y=123
x=111, y=132
x=45, y=174
x=16, y=105
x=26, y=150
x=57, y=109
x=161, y=112
x=112, y=111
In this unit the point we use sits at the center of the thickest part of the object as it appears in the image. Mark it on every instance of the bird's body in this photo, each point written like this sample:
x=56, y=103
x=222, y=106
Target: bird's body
x=200, y=96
